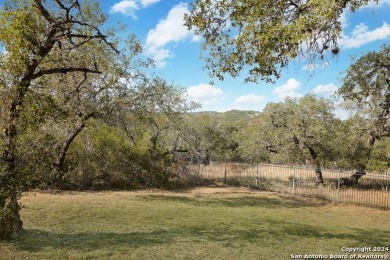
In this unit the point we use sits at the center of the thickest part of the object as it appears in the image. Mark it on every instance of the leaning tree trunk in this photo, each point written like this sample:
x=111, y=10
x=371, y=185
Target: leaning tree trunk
x=318, y=171
x=60, y=160
x=10, y=221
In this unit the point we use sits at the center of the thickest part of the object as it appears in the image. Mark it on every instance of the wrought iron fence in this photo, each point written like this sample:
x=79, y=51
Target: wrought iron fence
x=342, y=186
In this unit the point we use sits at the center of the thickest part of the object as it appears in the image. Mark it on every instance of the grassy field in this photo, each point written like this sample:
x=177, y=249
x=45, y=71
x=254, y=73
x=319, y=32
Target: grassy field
x=203, y=223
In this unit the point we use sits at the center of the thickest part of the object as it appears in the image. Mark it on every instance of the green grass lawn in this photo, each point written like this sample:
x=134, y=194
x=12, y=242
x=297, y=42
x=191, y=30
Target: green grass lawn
x=205, y=223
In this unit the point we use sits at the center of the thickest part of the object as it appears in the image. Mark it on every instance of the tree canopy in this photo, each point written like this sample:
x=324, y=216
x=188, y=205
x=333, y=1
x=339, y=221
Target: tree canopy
x=367, y=86
x=60, y=71
x=264, y=36
x=42, y=39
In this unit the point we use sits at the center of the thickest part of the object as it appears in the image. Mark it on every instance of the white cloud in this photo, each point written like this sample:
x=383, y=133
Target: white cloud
x=361, y=35
x=344, y=19
x=310, y=67
x=147, y=3
x=129, y=7
x=374, y=5
x=288, y=89
x=360, y=29
x=159, y=55
x=205, y=94
x=329, y=88
x=126, y=7
x=248, y=99
x=169, y=30
x=370, y=5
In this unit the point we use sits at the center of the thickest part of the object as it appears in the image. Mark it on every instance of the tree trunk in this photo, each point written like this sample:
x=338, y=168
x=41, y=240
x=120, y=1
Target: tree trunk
x=10, y=223
x=318, y=171
x=59, y=164
x=206, y=160
x=319, y=178
x=371, y=142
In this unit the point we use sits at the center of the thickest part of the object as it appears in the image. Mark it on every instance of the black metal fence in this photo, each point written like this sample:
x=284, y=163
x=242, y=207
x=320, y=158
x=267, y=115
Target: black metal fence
x=342, y=186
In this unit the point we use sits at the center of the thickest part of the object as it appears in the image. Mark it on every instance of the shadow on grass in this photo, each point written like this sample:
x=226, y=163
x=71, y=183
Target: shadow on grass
x=242, y=201
x=257, y=230
x=288, y=232
x=361, y=237
x=35, y=241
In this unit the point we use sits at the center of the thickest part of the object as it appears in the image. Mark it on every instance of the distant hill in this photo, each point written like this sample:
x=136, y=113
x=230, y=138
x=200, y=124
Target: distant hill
x=233, y=117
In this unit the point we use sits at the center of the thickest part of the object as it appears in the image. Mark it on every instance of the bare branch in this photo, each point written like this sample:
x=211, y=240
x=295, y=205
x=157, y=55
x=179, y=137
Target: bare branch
x=98, y=34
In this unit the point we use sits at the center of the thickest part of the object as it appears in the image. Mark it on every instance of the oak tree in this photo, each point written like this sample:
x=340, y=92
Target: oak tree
x=300, y=131
x=41, y=39
x=264, y=36
x=366, y=86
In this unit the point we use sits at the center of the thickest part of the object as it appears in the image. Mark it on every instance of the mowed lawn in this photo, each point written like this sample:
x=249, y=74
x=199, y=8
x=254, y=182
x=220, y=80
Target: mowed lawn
x=203, y=223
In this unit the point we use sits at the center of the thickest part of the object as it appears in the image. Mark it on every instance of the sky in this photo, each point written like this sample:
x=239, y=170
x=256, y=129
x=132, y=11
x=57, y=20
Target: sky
x=158, y=24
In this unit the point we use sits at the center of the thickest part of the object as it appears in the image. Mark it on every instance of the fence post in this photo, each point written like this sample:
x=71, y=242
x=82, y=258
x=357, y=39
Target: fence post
x=198, y=168
x=257, y=175
x=293, y=181
x=338, y=187
x=225, y=173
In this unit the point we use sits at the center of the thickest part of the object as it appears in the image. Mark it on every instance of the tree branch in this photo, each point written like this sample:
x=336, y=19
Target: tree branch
x=98, y=34
x=63, y=71
x=43, y=11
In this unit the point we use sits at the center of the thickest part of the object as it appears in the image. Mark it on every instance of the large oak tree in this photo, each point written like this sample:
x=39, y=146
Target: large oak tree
x=42, y=39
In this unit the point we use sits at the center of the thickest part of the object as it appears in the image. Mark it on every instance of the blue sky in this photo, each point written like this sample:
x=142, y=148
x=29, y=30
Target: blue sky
x=158, y=24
